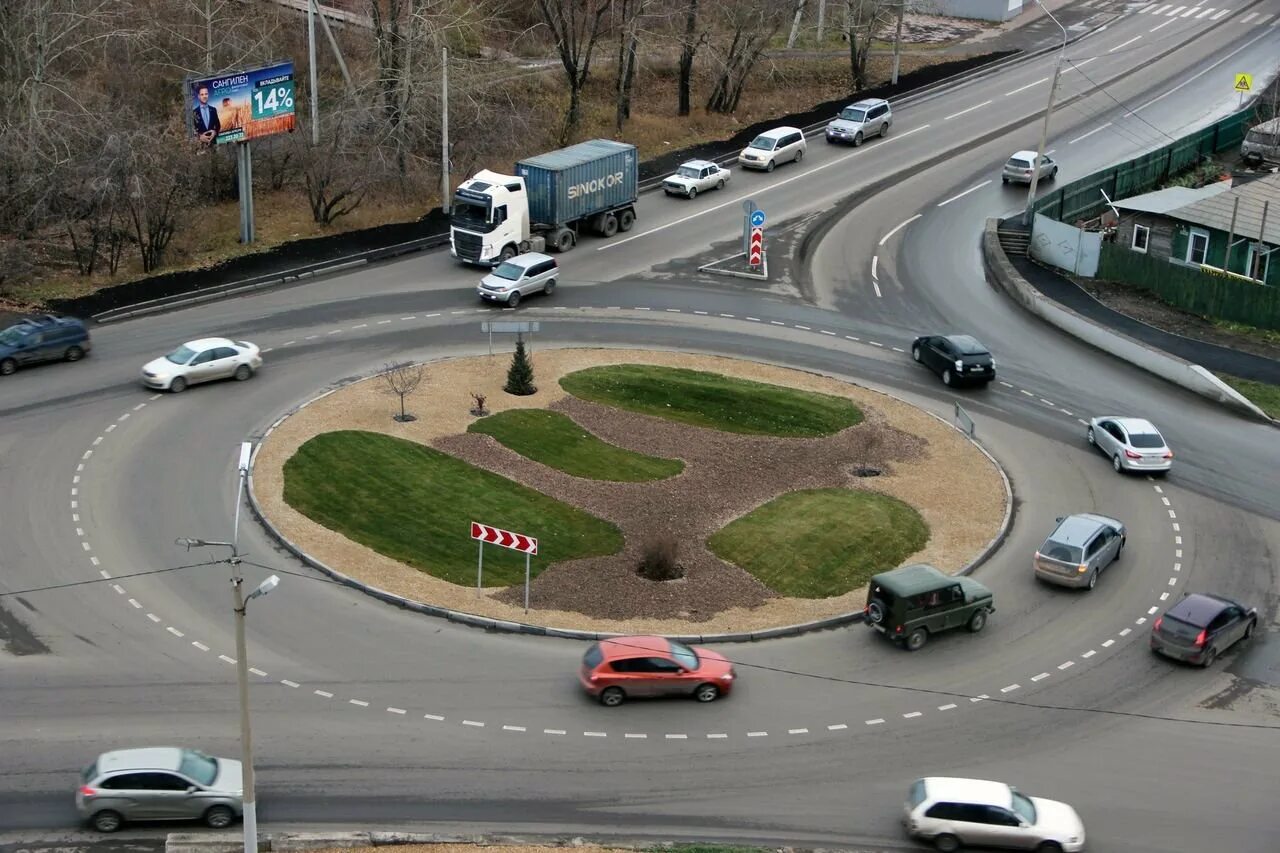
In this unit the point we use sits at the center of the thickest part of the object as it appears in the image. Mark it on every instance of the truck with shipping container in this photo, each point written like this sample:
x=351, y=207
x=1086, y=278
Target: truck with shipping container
x=547, y=203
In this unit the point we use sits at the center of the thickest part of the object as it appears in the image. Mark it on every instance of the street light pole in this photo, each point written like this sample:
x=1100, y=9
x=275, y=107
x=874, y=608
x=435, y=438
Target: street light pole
x=1028, y=215
x=239, y=602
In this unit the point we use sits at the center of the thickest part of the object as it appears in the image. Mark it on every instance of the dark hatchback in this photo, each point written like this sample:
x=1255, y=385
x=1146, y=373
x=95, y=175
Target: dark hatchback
x=44, y=338
x=958, y=359
x=1200, y=627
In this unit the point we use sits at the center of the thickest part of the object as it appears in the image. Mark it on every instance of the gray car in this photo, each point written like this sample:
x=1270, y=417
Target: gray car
x=1018, y=169
x=532, y=272
x=160, y=783
x=1201, y=626
x=1133, y=444
x=856, y=122
x=1079, y=549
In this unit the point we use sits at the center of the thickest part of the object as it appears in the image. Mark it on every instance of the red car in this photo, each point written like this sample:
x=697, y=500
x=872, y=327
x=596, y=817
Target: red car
x=613, y=670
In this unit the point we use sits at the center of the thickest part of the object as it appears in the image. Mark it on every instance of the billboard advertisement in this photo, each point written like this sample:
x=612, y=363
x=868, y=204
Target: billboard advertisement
x=242, y=106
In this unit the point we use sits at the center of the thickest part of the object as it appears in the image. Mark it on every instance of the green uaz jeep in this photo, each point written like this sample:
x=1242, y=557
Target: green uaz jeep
x=910, y=603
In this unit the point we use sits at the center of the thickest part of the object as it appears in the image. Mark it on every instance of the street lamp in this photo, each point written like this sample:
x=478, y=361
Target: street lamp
x=1044, y=133
x=240, y=601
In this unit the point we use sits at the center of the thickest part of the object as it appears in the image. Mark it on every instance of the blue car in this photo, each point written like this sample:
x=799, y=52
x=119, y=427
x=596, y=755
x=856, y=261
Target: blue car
x=45, y=338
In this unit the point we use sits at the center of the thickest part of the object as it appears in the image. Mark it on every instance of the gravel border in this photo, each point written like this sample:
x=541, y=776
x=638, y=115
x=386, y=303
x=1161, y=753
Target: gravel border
x=519, y=626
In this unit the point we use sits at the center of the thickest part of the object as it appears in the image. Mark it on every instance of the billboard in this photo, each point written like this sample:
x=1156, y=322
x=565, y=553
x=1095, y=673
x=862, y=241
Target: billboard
x=241, y=106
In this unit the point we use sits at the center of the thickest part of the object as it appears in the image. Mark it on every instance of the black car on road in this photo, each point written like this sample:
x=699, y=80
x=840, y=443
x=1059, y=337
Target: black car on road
x=958, y=359
x=1200, y=627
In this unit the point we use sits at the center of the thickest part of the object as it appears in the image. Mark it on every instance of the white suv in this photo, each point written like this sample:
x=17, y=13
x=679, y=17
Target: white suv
x=531, y=272
x=954, y=813
x=869, y=117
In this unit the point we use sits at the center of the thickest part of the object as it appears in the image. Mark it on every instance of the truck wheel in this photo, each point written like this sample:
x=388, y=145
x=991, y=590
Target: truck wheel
x=562, y=240
x=608, y=225
x=626, y=220
x=508, y=252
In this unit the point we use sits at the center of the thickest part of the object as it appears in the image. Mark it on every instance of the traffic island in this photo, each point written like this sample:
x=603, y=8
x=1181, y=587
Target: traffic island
x=729, y=489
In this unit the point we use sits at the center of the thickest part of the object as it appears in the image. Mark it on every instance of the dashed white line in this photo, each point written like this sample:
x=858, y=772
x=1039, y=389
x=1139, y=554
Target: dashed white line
x=677, y=737
x=757, y=734
x=553, y=731
x=111, y=427
x=136, y=605
x=797, y=731
x=473, y=723
x=1173, y=581
x=911, y=715
x=360, y=703
x=777, y=323
x=1041, y=677
x=1164, y=596
x=636, y=735
x=1124, y=632
x=730, y=316
x=825, y=332
x=1010, y=688
x=1028, y=86
x=1141, y=620
x=226, y=659
x=439, y=719
x=852, y=338
x=85, y=545
x=876, y=344
x=969, y=110
x=973, y=188
x=323, y=693
x=837, y=727
x=1106, y=644
x=1153, y=610
x=361, y=326
x=514, y=729
x=410, y=317
x=288, y=343
x=949, y=706
x=175, y=631
x=717, y=736
x=898, y=349
x=199, y=645
x=805, y=328
x=1005, y=384
x=900, y=226
x=383, y=322
x=1026, y=392
x=153, y=617
x=1161, y=25
x=595, y=734
x=1176, y=528
x=1165, y=501
x=1046, y=402
x=287, y=683
x=754, y=319
x=877, y=721
x=257, y=672
x=1172, y=514
x=1091, y=652
x=80, y=531
x=391, y=710
x=1066, y=664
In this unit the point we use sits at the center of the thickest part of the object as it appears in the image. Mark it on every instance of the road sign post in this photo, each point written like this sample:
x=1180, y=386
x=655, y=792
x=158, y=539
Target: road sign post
x=527, y=545
x=755, y=241
x=1243, y=85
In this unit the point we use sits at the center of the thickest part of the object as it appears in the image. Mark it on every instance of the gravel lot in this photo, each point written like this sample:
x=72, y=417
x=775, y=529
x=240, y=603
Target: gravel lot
x=927, y=464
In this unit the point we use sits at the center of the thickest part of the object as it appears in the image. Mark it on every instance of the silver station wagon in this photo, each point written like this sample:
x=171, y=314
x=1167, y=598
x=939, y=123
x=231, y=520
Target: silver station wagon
x=1079, y=549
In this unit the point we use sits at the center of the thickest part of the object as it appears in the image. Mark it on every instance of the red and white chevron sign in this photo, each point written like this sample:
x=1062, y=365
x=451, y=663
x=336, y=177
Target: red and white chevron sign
x=505, y=538
x=755, y=252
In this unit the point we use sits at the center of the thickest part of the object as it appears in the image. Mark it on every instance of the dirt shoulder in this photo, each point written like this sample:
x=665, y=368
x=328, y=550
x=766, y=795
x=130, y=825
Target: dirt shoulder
x=928, y=465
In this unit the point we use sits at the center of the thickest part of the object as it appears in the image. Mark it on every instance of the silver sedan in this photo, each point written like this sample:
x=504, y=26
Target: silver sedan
x=202, y=361
x=1132, y=444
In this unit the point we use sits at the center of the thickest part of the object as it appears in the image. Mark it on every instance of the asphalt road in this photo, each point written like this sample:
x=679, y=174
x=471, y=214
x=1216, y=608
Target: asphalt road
x=367, y=715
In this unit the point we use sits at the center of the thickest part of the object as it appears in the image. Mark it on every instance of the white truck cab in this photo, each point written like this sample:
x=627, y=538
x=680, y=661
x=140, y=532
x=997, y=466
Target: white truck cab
x=490, y=220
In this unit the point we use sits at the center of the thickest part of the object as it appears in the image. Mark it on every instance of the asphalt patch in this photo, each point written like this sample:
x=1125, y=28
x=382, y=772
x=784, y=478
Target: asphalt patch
x=17, y=638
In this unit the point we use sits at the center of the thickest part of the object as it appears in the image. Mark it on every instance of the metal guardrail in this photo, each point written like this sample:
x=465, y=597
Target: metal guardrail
x=964, y=421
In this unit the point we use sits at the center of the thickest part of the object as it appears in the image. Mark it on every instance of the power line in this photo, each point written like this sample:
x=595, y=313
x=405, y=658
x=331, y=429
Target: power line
x=90, y=581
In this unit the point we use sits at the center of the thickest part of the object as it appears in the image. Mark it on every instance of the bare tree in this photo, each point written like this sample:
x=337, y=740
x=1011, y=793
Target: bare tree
x=795, y=24
x=338, y=173
x=402, y=380
x=690, y=41
x=207, y=36
x=862, y=20
x=576, y=26
x=631, y=13
x=749, y=26
x=155, y=189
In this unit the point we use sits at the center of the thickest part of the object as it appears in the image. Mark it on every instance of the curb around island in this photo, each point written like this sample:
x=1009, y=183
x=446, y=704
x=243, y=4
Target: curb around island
x=489, y=623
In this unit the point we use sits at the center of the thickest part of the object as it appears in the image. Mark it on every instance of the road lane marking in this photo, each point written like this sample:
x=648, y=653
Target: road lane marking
x=553, y=731
x=797, y=731
x=901, y=225
x=153, y=617
x=1010, y=688
x=969, y=110
x=359, y=703
x=287, y=683
x=175, y=632
x=1066, y=664
x=947, y=707
x=1028, y=86
x=837, y=727
x=1098, y=129
x=257, y=671
x=474, y=723
x=226, y=659
x=733, y=201
x=391, y=710
x=911, y=715
x=324, y=693
x=966, y=192
x=1041, y=677
x=877, y=721
x=199, y=645
x=1124, y=44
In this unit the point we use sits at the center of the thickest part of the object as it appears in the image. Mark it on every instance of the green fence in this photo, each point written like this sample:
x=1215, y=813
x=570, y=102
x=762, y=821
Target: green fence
x=1192, y=290
x=1083, y=199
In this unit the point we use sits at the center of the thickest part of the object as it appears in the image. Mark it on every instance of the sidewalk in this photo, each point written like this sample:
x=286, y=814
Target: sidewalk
x=1210, y=356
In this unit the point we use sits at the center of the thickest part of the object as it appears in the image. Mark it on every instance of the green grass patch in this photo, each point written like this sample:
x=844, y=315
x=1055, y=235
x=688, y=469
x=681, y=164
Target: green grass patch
x=416, y=505
x=821, y=542
x=713, y=401
x=1264, y=395
x=1254, y=333
x=558, y=442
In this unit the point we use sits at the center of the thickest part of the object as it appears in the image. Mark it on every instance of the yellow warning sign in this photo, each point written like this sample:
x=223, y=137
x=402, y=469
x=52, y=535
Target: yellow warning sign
x=1244, y=82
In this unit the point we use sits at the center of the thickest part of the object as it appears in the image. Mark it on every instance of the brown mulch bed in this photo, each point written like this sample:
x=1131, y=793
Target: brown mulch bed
x=725, y=476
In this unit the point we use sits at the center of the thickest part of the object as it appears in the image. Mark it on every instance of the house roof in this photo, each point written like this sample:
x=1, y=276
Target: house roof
x=1212, y=206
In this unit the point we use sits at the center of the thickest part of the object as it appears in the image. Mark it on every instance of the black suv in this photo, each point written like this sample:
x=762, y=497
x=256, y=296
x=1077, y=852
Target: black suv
x=45, y=338
x=908, y=604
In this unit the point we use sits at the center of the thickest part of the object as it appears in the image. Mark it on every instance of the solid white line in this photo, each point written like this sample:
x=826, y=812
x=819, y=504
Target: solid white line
x=876, y=285
x=359, y=702
x=900, y=226
x=965, y=193
x=1098, y=129
x=733, y=201
x=199, y=645
x=391, y=710
x=1124, y=44
x=875, y=262
x=969, y=110
x=1028, y=86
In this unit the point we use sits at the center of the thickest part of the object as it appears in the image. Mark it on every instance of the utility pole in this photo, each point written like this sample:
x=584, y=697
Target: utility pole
x=445, y=192
x=1028, y=217
x=239, y=602
x=897, y=42
x=311, y=61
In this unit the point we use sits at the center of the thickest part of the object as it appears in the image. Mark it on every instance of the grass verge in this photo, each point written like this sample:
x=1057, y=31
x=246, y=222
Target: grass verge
x=558, y=442
x=415, y=505
x=1264, y=395
x=819, y=543
x=713, y=401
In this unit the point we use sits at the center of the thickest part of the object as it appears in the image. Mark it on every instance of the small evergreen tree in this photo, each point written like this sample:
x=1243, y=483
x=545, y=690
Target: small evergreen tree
x=520, y=374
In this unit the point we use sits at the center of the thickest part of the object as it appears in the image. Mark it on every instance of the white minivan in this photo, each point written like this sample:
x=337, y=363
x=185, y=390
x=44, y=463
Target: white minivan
x=779, y=145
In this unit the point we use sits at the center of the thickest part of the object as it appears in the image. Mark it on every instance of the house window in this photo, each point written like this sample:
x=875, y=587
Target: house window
x=1141, y=234
x=1197, y=246
x=1257, y=260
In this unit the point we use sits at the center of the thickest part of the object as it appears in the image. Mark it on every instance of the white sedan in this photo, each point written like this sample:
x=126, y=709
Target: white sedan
x=694, y=177
x=202, y=361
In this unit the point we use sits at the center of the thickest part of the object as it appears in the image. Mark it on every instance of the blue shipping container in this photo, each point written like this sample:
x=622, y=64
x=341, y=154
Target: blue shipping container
x=580, y=181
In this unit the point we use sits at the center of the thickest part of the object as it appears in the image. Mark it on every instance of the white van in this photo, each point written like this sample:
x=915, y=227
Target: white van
x=1262, y=143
